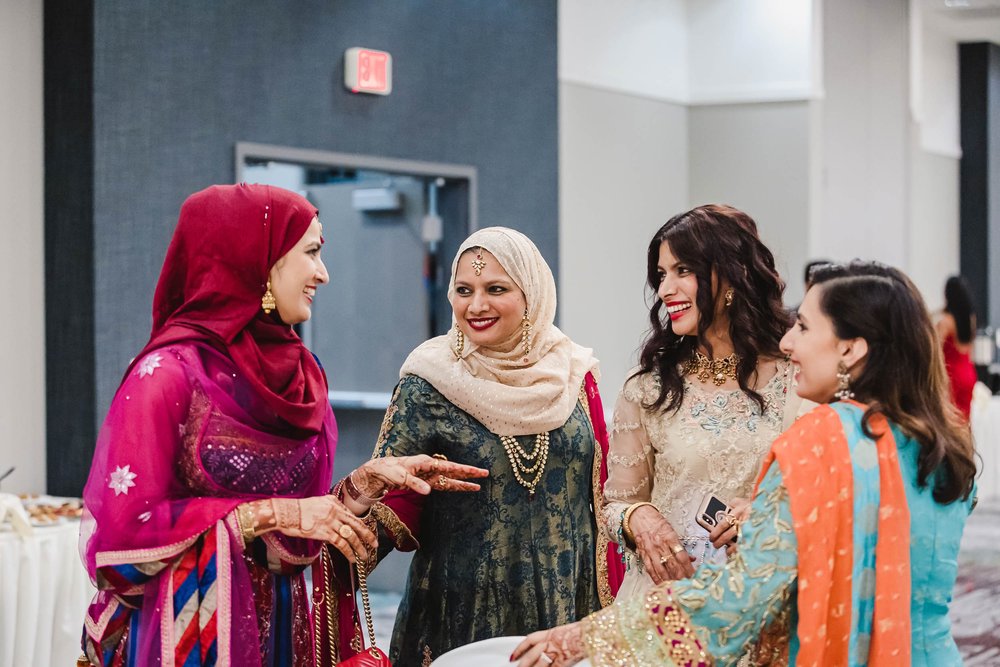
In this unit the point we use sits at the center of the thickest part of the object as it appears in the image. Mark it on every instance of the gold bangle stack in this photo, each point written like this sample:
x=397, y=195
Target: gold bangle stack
x=245, y=520
x=626, y=529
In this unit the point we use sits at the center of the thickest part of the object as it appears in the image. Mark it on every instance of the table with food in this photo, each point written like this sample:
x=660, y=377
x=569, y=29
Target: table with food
x=44, y=589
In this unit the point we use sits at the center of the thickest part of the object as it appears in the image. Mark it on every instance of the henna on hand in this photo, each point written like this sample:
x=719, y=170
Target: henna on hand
x=558, y=647
x=659, y=546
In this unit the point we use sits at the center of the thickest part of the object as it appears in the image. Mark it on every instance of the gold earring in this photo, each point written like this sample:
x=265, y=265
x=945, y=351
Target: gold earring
x=729, y=297
x=526, y=332
x=459, y=345
x=267, y=301
x=843, y=383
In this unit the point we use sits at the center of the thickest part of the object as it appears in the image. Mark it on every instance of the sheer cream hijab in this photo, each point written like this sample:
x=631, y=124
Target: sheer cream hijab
x=509, y=392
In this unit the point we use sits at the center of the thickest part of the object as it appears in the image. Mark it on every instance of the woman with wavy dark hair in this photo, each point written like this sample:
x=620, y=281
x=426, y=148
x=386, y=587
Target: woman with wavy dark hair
x=710, y=394
x=849, y=552
x=956, y=328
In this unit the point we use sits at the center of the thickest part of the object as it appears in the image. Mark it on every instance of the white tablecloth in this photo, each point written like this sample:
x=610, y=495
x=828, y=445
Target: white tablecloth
x=44, y=593
x=986, y=435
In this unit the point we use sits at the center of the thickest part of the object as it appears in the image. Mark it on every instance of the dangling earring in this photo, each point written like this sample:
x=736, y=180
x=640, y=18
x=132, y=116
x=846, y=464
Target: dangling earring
x=843, y=383
x=459, y=345
x=267, y=301
x=526, y=332
x=729, y=297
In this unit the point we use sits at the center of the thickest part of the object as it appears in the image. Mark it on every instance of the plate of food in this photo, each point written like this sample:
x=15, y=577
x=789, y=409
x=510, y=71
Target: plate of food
x=46, y=510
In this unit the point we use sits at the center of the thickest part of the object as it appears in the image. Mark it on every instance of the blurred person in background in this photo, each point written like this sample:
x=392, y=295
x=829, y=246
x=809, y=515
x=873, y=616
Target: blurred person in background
x=956, y=327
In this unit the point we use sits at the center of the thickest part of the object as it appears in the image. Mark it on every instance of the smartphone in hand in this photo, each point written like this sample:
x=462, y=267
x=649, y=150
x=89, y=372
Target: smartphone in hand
x=712, y=512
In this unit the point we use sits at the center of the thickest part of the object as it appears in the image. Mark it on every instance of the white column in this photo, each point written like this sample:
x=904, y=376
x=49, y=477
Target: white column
x=22, y=274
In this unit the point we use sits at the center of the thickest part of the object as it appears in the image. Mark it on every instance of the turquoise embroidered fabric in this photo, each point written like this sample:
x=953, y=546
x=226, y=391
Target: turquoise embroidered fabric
x=728, y=604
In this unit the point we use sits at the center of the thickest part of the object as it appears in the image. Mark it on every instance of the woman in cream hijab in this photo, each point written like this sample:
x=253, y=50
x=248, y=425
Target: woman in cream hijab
x=505, y=390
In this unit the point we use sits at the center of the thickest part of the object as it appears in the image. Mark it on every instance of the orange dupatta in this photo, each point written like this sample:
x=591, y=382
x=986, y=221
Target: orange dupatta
x=817, y=471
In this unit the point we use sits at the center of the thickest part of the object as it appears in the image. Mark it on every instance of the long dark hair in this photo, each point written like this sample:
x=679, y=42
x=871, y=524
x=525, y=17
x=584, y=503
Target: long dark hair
x=720, y=241
x=958, y=303
x=903, y=376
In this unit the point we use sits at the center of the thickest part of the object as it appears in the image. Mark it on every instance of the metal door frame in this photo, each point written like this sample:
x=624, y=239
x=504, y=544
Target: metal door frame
x=317, y=158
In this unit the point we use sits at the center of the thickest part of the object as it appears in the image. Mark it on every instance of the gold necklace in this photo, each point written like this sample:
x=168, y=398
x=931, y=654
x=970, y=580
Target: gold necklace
x=716, y=370
x=520, y=460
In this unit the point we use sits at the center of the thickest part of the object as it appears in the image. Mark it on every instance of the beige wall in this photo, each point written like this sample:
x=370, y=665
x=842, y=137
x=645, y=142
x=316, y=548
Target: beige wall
x=933, y=250
x=865, y=130
x=756, y=157
x=22, y=275
x=622, y=173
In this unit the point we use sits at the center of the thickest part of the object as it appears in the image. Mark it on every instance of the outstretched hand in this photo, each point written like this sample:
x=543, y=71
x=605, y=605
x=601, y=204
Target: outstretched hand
x=420, y=473
x=559, y=647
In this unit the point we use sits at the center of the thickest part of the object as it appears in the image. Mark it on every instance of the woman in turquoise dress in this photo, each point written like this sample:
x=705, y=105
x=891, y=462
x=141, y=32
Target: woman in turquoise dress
x=849, y=554
x=507, y=391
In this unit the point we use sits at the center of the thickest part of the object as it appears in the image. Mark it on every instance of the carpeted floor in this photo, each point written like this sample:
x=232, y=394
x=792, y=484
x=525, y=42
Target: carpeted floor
x=975, y=613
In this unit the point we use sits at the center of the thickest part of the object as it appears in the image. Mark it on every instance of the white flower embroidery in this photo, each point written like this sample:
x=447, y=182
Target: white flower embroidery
x=150, y=364
x=121, y=480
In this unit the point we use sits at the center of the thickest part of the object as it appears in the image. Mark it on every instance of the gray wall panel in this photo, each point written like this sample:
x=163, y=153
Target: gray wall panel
x=176, y=85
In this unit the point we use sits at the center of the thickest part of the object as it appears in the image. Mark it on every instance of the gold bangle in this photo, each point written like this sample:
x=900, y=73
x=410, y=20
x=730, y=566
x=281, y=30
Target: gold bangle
x=245, y=519
x=626, y=529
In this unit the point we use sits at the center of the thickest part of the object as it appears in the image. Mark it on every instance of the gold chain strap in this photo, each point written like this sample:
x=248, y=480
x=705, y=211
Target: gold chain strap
x=327, y=601
x=362, y=569
x=330, y=601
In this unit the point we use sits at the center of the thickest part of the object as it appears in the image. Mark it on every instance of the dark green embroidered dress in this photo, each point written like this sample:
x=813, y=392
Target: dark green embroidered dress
x=496, y=562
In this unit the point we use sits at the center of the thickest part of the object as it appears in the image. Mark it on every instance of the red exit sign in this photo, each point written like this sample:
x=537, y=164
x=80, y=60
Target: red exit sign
x=368, y=71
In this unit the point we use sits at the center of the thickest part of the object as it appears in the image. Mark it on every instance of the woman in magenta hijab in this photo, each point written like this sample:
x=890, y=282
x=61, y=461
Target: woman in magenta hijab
x=210, y=489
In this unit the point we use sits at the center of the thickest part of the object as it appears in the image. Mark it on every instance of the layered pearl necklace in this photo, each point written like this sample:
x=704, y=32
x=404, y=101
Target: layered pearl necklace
x=521, y=461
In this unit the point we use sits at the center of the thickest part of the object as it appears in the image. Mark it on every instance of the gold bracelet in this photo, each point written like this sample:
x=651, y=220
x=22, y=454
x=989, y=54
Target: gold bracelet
x=626, y=529
x=245, y=520
x=288, y=515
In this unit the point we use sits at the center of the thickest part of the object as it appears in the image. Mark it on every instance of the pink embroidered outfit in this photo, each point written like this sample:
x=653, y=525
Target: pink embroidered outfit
x=223, y=406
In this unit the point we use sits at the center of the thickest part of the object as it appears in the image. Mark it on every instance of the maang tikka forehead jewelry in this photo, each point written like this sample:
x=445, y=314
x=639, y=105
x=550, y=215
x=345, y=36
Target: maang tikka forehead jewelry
x=478, y=264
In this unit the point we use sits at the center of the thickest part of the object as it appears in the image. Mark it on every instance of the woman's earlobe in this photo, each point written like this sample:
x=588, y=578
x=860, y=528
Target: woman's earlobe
x=856, y=350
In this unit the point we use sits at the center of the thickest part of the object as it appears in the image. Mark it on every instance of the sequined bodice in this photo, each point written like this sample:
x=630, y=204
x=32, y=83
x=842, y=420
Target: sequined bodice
x=224, y=456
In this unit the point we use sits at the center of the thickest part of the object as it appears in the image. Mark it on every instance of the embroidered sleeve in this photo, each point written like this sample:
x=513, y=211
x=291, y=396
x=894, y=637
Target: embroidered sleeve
x=630, y=461
x=411, y=426
x=410, y=420
x=721, y=611
x=644, y=631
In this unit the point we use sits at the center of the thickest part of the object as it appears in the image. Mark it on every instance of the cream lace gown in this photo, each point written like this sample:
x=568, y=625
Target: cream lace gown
x=714, y=443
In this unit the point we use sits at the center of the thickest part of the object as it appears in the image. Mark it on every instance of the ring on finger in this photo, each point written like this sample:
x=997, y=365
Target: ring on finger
x=545, y=656
x=442, y=481
x=346, y=532
x=677, y=549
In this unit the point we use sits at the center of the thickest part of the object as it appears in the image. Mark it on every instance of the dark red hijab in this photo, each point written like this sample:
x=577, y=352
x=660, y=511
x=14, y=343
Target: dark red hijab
x=227, y=239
